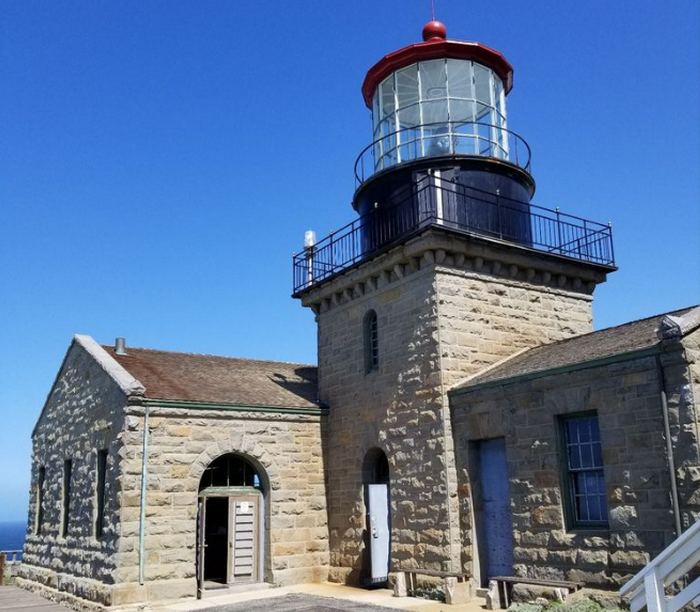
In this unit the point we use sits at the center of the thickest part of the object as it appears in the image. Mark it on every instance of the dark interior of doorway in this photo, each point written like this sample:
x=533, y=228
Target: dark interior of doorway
x=216, y=529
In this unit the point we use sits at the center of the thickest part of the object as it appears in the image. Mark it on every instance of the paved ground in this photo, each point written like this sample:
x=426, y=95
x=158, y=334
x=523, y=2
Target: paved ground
x=298, y=602
x=13, y=599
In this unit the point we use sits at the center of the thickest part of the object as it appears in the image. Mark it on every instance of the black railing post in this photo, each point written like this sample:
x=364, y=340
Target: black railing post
x=559, y=243
x=498, y=212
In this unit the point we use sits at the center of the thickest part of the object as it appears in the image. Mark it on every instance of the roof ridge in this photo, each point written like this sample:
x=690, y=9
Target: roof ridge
x=152, y=350
x=603, y=329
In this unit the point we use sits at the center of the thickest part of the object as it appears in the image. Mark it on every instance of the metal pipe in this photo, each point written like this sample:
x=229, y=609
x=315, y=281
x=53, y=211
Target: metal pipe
x=144, y=484
x=669, y=448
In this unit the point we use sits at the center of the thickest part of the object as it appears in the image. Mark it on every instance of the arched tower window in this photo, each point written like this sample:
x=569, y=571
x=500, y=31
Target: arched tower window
x=371, y=341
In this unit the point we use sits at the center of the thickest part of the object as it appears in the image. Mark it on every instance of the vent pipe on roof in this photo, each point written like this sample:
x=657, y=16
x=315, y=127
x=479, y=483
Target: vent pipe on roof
x=120, y=346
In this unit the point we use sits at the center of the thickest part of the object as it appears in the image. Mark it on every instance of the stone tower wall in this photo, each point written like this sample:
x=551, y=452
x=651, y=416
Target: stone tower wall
x=442, y=315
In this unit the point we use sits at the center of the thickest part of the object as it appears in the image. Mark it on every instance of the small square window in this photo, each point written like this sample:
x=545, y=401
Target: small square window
x=584, y=481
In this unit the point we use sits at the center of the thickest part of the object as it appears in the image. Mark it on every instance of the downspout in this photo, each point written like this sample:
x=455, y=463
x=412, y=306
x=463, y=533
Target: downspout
x=144, y=485
x=669, y=448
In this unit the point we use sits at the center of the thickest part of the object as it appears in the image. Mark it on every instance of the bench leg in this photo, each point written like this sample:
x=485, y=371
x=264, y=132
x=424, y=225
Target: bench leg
x=400, y=587
x=457, y=592
x=493, y=596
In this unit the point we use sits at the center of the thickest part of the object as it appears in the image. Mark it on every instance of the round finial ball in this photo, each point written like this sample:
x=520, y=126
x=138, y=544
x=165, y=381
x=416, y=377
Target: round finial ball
x=434, y=30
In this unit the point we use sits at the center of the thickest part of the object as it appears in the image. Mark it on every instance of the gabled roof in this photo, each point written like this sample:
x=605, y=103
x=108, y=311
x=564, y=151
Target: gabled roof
x=587, y=348
x=220, y=380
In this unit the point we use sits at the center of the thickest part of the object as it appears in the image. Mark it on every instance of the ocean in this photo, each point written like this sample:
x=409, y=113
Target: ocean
x=12, y=535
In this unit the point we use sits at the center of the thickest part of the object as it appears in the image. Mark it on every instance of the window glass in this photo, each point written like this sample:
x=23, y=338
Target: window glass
x=40, y=499
x=584, y=471
x=67, y=470
x=482, y=84
x=386, y=96
x=459, y=78
x=407, y=86
x=371, y=341
x=100, y=492
x=433, y=80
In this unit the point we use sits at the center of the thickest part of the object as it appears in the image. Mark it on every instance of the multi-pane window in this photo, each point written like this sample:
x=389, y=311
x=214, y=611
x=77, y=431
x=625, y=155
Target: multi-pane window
x=40, y=499
x=584, y=471
x=67, y=469
x=371, y=339
x=100, y=492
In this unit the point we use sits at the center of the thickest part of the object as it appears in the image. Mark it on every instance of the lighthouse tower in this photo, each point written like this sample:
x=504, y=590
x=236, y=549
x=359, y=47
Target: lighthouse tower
x=447, y=268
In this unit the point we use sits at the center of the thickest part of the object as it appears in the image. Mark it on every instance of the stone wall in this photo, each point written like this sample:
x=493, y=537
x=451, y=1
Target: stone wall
x=88, y=411
x=626, y=397
x=441, y=317
x=681, y=364
x=83, y=414
x=286, y=450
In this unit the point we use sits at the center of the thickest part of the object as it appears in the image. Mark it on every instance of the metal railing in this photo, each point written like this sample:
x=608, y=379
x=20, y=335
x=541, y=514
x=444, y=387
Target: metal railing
x=444, y=138
x=433, y=202
x=653, y=586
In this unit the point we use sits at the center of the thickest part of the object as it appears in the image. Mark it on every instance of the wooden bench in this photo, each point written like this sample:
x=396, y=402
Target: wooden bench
x=504, y=585
x=457, y=585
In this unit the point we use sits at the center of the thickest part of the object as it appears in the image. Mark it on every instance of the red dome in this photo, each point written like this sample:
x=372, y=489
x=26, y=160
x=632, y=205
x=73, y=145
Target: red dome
x=434, y=30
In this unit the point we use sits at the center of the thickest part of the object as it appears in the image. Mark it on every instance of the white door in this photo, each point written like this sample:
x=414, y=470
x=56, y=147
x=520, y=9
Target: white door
x=378, y=525
x=244, y=539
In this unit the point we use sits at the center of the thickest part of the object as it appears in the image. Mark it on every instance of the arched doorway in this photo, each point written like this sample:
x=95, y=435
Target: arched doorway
x=375, y=476
x=231, y=523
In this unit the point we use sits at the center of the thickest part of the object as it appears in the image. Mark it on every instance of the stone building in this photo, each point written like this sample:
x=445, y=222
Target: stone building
x=463, y=418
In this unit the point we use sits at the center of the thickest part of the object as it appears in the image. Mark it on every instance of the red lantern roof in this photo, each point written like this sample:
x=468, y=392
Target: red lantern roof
x=435, y=46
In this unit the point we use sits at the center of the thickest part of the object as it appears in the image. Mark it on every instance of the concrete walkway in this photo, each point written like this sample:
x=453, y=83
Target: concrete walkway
x=14, y=599
x=324, y=597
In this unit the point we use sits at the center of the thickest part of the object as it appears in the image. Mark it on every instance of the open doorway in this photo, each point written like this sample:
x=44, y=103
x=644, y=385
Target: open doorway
x=230, y=524
x=375, y=475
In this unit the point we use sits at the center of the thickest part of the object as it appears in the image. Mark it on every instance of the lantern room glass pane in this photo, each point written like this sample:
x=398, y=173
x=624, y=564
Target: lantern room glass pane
x=386, y=97
x=407, y=86
x=459, y=79
x=433, y=107
x=433, y=80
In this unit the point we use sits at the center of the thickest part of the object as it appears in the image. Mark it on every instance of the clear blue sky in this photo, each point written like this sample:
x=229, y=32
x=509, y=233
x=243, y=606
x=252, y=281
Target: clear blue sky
x=161, y=160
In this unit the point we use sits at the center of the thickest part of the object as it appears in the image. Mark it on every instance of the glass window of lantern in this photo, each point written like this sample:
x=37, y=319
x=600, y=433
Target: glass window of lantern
x=434, y=108
x=387, y=126
x=409, y=113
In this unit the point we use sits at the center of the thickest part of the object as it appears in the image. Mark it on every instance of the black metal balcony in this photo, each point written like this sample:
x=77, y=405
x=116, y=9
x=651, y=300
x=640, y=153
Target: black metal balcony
x=455, y=208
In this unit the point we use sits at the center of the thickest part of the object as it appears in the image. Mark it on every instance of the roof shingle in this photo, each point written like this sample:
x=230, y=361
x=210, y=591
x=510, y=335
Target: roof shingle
x=633, y=336
x=222, y=380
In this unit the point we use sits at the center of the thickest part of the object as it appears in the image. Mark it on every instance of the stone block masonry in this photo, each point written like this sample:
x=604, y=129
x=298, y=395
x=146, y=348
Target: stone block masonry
x=626, y=396
x=91, y=408
x=441, y=316
x=285, y=448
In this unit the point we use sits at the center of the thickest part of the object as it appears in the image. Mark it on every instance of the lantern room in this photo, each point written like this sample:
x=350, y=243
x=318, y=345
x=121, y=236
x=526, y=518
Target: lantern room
x=440, y=105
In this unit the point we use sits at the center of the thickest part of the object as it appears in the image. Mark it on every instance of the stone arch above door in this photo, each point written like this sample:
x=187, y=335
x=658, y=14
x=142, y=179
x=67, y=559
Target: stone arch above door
x=248, y=450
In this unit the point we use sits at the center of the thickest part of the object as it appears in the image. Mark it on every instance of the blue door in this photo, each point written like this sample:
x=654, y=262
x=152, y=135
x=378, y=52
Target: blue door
x=496, y=525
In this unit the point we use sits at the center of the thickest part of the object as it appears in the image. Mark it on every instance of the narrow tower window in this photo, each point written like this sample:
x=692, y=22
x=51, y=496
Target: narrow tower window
x=40, y=499
x=67, y=469
x=371, y=341
x=100, y=492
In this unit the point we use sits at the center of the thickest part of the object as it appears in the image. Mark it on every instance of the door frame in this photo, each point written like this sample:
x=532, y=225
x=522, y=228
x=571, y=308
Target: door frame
x=233, y=494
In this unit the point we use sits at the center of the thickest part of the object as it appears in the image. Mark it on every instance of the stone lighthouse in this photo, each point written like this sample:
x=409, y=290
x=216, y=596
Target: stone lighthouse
x=447, y=269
